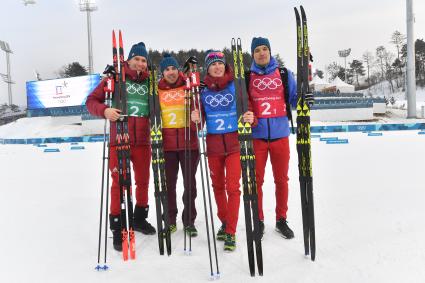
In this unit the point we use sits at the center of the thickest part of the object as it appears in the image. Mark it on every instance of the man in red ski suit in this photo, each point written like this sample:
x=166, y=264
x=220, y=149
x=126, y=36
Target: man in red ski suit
x=137, y=83
x=271, y=132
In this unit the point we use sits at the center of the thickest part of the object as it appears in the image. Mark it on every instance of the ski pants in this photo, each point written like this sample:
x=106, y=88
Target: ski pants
x=172, y=161
x=225, y=172
x=140, y=157
x=279, y=158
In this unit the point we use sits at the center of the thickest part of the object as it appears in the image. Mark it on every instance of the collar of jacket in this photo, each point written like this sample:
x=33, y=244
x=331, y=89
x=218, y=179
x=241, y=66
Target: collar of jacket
x=132, y=75
x=164, y=85
x=217, y=84
x=270, y=68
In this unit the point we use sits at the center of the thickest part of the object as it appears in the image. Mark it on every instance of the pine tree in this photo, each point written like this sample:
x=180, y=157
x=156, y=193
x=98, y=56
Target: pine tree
x=357, y=69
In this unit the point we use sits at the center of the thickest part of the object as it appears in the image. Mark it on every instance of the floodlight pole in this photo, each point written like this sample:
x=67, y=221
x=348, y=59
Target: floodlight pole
x=7, y=79
x=89, y=6
x=345, y=53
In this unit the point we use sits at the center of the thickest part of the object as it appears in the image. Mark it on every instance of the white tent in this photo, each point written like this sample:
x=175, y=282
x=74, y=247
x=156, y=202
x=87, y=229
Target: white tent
x=317, y=84
x=341, y=86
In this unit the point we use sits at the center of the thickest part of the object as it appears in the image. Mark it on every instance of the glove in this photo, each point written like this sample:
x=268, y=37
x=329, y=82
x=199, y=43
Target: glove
x=202, y=85
x=190, y=60
x=109, y=70
x=309, y=99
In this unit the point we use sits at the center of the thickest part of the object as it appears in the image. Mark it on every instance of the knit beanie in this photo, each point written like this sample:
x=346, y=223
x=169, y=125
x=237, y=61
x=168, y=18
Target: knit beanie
x=214, y=56
x=258, y=41
x=167, y=61
x=138, y=49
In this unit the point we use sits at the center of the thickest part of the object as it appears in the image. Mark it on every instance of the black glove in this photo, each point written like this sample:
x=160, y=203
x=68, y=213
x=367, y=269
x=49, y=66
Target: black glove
x=190, y=60
x=109, y=70
x=202, y=85
x=309, y=99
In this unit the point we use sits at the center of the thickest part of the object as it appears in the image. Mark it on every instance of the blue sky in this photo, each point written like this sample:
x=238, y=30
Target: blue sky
x=52, y=33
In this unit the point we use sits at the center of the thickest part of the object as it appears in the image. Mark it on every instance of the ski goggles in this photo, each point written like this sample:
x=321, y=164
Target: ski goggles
x=215, y=55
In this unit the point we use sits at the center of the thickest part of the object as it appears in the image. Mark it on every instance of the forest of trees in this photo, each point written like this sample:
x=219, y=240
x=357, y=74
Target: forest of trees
x=181, y=56
x=76, y=69
x=381, y=65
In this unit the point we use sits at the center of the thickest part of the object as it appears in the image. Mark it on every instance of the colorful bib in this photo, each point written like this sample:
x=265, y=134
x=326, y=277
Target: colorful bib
x=172, y=103
x=267, y=95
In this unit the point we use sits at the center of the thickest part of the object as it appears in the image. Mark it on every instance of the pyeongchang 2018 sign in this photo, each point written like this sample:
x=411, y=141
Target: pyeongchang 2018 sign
x=60, y=92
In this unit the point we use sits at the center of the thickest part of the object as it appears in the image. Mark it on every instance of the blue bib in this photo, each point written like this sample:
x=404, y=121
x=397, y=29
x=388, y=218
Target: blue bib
x=220, y=110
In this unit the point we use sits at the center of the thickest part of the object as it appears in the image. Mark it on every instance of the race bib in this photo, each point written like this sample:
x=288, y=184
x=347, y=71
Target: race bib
x=267, y=95
x=172, y=107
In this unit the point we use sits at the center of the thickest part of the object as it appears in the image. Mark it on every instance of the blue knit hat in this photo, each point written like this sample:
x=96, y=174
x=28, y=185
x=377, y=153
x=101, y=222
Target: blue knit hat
x=258, y=41
x=138, y=49
x=167, y=61
x=214, y=56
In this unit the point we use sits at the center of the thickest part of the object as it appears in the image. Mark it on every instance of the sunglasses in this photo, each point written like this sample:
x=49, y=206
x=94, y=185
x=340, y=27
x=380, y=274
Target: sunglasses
x=215, y=55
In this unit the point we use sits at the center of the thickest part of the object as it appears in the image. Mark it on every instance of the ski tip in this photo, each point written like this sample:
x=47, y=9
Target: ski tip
x=114, y=40
x=302, y=10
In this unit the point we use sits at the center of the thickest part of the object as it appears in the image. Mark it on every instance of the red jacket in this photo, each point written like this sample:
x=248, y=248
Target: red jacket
x=138, y=127
x=174, y=139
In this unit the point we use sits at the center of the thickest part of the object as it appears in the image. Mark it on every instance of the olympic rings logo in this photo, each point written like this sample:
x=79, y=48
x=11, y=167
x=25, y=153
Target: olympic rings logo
x=173, y=95
x=219, y=99
x=137, y=89
x=267, y=83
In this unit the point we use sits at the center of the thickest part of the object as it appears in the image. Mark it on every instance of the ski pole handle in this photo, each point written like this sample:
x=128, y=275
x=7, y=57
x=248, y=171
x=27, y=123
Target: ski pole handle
x=194, y=78
x=187, y=85
x=108, y=89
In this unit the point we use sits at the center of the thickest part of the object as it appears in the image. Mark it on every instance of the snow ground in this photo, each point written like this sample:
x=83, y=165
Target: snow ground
x=369, y=197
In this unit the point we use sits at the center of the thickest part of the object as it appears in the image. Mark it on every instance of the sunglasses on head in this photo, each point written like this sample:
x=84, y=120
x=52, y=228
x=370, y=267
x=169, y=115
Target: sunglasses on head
x=216, y=55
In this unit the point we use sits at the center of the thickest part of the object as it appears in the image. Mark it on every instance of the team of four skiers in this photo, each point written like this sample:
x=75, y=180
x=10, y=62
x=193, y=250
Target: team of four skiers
x=267, y=115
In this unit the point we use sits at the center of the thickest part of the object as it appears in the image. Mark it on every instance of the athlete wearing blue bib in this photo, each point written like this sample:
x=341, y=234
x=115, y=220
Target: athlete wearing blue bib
x=220, y=110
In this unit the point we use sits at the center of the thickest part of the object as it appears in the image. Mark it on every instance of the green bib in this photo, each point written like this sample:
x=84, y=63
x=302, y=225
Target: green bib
x=137, y=98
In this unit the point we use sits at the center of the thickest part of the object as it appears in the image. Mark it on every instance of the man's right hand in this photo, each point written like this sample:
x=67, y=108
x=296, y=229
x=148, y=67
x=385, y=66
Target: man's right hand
x=112, y=114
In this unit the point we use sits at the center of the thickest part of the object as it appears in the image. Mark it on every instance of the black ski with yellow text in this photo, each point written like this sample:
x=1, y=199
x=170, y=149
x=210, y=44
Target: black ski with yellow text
x=247, y=157
x=303, y=135
x=158, y=164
